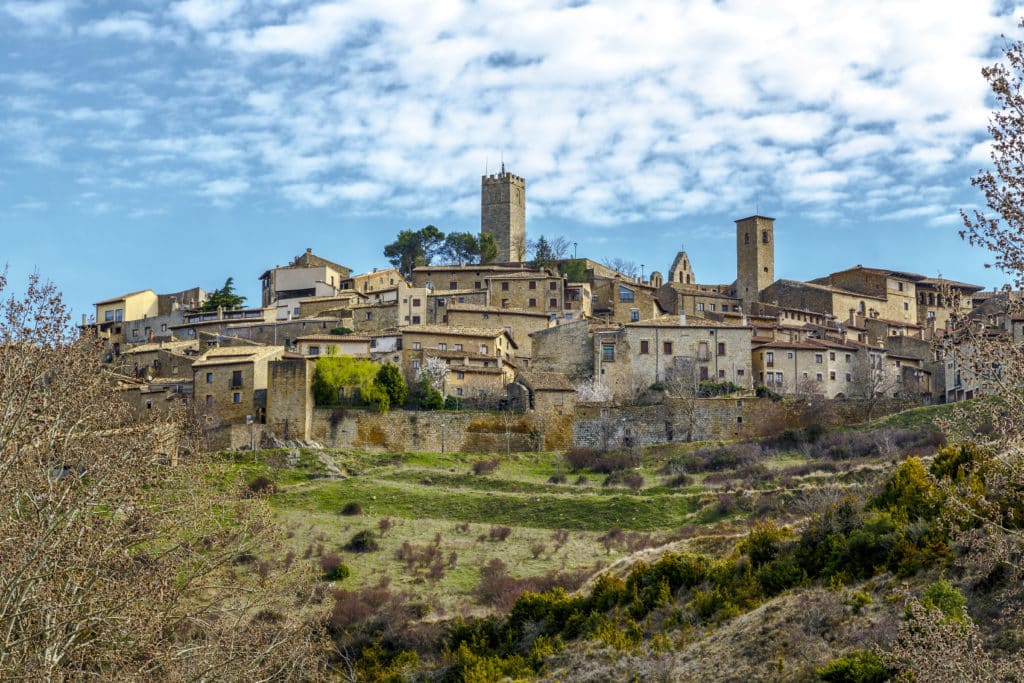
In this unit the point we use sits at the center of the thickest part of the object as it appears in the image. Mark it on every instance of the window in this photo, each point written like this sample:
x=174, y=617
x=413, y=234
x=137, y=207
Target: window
x=532, y=303
x=721, y=348
x=504, y=286
x=764, y=237
x=769, y=358
x=553, y=303
x=819, y=358
x=483, y=349
x=533, y=284
x=552, y=285
x=645, y=346
x=108, y=316
x=702, y=350
x=847, y=358
x=415, y=320
x=209, y=400
x=442, y=346
x=899, y=286
x=462, y=299
x=415, y=302
x=626, y=294
x=818, y=377
x=314, y=350
x=458, y=347
x=832, y=375
x=700, y=306
x=460, y=375
x=831, y=355
x=906, y=306
x=721, y=374
x=504, y=303
x=849, y=377
x=789, y=355
x=666, y=348
x=453, y=285
x=739, y=372
x=416, y=345
x=778, y=378
x=746, y=238
x=711, y=306
x=415, y=363
x=369, y=315
x=607, y=352
x=236, y=378
x=476, y=285
x=458, y=391
x=634, y=315
x=209, y=378
x=236, y=397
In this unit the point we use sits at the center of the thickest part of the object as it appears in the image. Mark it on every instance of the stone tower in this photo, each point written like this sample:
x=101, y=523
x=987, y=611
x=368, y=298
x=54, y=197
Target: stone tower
x=681, y=270
x=755, y=257
x=503, y=213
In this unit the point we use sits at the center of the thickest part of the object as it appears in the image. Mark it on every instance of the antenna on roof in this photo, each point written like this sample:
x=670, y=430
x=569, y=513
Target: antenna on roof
x=503, y=162
x=485, y=164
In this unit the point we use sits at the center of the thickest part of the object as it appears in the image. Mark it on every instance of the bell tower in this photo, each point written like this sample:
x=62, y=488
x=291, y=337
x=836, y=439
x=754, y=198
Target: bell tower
x=503, y=213
x=755, y=257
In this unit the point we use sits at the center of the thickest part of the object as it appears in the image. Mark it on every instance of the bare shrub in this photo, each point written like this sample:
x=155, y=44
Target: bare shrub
x=558, y=478
x=261, y=486
x=486, y=466
x=351, y=509
x=363, y=542
x=560, y=537
x=613, y=538
x=579, y=459
x=499, y=533
x=462, y=527
x=384, y=525
x=538, y=549
x=498, y=589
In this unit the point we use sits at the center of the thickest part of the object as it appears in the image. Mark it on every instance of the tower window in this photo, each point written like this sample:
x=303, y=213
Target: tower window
x=764, y=237
x=746, y=238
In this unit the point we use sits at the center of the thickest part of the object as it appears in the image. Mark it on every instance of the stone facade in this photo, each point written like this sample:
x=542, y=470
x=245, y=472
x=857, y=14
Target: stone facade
x=290, y=398
x=308, y=275
x=540, y=290
x=231, y=382
x=503, y=214
x=639, y=355
x=681, y=271
x=755, y=258
x=567, y=349
x=623, y=300
x=521, y=324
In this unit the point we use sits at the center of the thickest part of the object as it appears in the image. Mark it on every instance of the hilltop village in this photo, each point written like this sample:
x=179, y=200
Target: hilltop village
x=568, y=346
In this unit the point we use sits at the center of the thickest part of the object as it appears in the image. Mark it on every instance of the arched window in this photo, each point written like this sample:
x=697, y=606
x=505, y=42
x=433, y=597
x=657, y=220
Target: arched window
x=764, y=237
x=746, y=238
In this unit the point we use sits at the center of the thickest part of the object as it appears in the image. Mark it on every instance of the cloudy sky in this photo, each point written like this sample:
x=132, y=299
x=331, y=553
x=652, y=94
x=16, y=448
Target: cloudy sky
x=164, y=145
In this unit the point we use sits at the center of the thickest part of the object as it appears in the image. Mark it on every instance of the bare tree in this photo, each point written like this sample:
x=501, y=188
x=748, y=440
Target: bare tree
x=624, y=266
x=681, y=382
x=114, y=563
x=870, y=381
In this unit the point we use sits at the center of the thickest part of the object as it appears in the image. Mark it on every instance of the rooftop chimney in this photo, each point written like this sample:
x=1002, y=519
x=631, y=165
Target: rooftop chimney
x=682, y=320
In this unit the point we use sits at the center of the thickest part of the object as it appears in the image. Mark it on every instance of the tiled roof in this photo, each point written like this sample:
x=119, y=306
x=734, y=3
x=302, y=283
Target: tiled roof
x=176, y=345
x=475, y=308
x=236, y=354
x=335, y=338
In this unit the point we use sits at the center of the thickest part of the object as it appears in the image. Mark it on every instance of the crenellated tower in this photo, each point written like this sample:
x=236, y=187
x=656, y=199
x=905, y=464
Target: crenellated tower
x=503, y=213
x=755, y=257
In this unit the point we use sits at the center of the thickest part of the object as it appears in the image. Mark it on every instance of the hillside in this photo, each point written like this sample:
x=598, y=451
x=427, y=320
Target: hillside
x=436, y=549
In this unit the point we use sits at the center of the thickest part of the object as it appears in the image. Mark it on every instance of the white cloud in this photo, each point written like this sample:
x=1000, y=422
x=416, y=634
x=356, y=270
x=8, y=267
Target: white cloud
x=38, y=13
x=205, y=14
x=228, y=187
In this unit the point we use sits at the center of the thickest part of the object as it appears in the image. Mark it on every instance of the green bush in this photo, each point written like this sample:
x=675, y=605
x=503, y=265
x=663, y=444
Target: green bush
x=861, y=666
x=352, y=379
x=947, y=598
x=389, y=380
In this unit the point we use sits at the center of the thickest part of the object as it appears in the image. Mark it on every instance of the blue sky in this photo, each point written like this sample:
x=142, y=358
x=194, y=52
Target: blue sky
x=167, y=145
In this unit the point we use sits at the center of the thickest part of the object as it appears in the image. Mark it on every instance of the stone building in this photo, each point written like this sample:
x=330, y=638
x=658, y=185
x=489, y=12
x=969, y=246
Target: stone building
x=230, y=383
x=671, y=348
x=308, y=275
x=171, y=359
x=619, y=299
x=537, y=290
x=940, y=300
x=755, y=258
x=459, y=278
x=318, y=345
x=681, y=271
x=519, y=323
x=676, y=298
x=503, y=214
x=567, y=349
